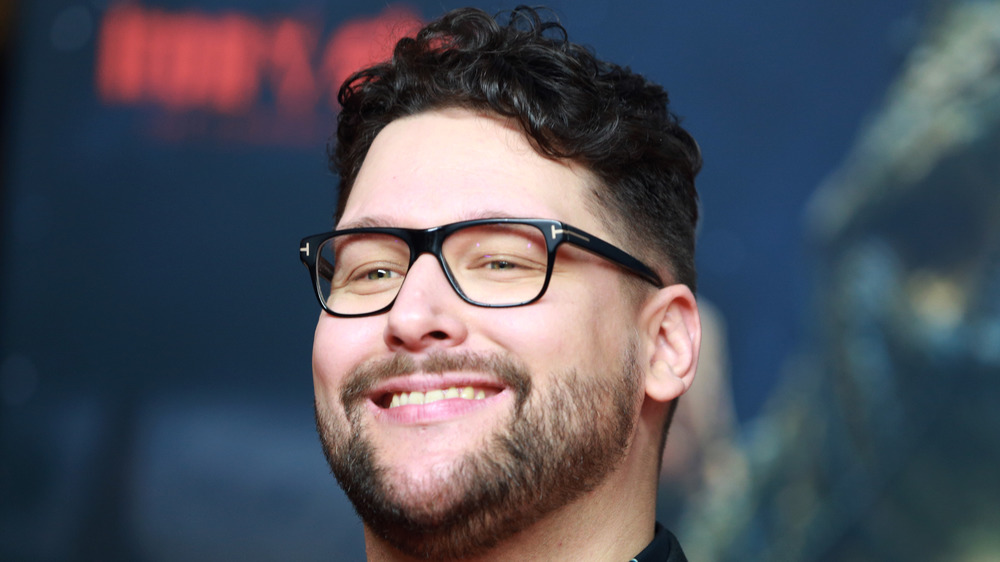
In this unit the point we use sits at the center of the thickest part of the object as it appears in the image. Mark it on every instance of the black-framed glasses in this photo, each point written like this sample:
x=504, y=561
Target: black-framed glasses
x=489, y=262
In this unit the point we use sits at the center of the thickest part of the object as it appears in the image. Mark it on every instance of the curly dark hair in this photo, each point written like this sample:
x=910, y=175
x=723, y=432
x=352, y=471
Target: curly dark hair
x=570, y=105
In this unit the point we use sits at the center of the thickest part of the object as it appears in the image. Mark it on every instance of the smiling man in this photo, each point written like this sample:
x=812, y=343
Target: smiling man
x=508, y=297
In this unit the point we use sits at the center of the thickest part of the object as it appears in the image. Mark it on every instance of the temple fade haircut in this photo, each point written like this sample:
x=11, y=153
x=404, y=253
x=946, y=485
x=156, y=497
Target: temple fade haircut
x=569, y=104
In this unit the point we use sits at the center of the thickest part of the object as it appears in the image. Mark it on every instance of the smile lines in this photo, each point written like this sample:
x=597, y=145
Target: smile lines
x=418, y=398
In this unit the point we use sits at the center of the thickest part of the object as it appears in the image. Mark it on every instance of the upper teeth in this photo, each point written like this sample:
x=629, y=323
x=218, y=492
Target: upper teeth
x=417, y=397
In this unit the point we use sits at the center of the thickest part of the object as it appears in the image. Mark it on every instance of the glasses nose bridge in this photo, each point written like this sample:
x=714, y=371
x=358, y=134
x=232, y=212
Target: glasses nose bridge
x=430, y=241
x=427, y=241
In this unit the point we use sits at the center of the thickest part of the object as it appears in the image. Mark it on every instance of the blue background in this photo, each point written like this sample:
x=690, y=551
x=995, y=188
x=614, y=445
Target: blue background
x=156, y=323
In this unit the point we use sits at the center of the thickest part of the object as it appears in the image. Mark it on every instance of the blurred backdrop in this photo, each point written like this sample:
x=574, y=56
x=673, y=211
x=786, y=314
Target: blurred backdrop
x=162, y=158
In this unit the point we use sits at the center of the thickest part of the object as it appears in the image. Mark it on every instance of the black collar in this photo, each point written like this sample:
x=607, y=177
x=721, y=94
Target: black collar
x=664, y=548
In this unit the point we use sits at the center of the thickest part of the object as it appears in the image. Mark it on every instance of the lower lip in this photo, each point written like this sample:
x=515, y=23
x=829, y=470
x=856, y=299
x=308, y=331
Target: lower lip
x=442, y=410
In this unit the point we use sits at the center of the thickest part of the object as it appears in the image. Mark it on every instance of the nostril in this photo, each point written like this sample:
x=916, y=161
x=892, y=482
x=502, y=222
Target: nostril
x=438, y=335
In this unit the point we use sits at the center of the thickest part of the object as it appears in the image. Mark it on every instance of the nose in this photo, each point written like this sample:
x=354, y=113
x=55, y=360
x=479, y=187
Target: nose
x=426, y=313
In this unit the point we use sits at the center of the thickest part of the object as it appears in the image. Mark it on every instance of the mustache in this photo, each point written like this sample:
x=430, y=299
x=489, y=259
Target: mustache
x=362, y=379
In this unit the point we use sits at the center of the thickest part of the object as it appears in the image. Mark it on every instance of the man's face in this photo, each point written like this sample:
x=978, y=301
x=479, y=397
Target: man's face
x=554, y=387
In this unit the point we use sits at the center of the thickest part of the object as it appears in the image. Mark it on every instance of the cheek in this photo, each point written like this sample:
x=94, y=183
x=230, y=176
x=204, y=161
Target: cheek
x=568, y=329
x=338, y=346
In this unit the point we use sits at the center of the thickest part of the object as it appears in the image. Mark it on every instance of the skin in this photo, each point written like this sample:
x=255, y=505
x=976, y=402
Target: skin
x=445, y=166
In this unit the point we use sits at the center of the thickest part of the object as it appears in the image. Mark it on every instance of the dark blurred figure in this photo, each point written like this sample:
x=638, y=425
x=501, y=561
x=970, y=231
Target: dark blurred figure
x=883, y=444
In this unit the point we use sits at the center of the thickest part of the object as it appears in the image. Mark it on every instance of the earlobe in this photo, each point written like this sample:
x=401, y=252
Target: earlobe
x=662, y=384
x=674, y=334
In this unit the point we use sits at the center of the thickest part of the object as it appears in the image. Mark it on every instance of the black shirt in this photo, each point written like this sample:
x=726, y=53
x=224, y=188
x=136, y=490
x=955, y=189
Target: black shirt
x=664, y=548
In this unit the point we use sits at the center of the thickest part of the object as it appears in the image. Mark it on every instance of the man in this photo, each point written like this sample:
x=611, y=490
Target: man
x=509, y=315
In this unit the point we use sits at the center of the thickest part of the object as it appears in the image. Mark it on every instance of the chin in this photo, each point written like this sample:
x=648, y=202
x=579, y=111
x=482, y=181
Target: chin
x=533, y=461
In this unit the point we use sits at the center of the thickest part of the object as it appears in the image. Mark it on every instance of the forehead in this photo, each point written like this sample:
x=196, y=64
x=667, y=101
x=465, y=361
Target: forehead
x=449, y=165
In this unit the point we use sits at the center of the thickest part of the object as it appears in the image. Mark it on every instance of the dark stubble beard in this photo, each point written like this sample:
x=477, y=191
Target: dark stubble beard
x=555, y=447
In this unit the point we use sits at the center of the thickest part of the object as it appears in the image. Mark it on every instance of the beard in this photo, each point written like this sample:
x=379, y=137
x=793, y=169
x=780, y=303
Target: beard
x=555, y=447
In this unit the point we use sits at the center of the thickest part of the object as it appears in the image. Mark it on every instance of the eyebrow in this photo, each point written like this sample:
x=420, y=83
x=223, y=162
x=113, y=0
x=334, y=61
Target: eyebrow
x=380, y=221
x=367, y=222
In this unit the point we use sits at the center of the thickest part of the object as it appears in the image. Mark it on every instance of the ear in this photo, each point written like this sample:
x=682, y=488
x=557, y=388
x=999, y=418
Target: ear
x=672, y=340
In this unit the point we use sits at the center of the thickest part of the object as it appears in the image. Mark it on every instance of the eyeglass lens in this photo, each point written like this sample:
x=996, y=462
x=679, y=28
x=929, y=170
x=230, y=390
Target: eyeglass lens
x=492, y=264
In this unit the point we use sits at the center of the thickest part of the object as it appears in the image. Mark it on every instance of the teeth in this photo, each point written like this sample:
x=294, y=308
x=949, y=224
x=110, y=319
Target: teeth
x=416, y=397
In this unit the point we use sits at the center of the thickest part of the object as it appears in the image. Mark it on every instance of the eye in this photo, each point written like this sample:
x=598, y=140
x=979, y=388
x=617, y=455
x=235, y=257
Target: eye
x=376, y=274
x=500, y=265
